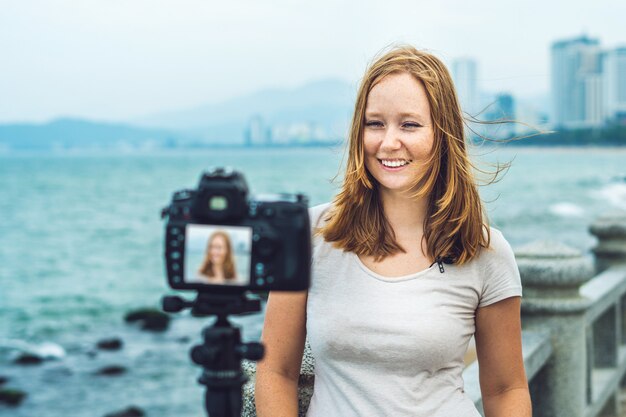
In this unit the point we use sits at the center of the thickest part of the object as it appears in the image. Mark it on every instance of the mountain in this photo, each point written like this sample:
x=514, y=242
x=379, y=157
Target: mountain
x=326, y=103
x=71, y=134
x=313, y=113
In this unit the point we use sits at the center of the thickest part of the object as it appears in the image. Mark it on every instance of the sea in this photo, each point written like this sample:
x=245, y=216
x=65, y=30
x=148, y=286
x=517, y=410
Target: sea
x=81, y=243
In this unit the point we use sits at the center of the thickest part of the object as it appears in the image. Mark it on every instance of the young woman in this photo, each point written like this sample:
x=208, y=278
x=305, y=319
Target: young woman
x=406, y=269
x=218, y=266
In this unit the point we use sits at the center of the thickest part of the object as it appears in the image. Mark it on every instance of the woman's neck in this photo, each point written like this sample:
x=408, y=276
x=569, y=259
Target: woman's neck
x=405, y=215
x=218, y=270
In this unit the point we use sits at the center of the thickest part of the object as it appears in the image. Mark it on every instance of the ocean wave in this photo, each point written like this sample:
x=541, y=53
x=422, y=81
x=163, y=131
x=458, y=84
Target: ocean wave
x=566, y=209
x=613, y=193
x=45, y=350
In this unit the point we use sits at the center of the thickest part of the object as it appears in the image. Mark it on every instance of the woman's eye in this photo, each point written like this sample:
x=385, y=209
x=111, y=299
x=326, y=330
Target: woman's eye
x=373, y=124
x=411, y=125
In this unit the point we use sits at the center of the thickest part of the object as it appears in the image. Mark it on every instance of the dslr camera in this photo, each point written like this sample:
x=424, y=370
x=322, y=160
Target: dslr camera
x=218, y=240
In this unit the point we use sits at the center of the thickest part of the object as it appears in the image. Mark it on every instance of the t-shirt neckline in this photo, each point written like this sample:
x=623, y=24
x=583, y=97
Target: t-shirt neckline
x=401, y=278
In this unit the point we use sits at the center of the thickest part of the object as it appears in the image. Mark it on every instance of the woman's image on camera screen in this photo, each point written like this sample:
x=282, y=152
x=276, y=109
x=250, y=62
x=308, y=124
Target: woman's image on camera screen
x=217, y=255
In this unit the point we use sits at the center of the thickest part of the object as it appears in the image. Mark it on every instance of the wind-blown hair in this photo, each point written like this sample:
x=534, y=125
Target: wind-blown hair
x=455, y=227
x=206, y=267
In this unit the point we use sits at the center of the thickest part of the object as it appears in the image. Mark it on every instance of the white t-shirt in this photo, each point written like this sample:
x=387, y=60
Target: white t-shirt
x=394, y=346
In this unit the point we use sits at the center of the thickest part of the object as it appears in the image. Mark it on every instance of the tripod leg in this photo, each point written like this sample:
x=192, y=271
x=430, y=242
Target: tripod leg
x=223, y=402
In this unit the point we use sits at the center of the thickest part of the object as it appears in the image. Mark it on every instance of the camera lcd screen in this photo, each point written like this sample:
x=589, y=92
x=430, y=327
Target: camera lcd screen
x=217, y=254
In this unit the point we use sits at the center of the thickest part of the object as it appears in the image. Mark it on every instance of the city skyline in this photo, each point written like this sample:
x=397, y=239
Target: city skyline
x=588, y=83
x=120, y=61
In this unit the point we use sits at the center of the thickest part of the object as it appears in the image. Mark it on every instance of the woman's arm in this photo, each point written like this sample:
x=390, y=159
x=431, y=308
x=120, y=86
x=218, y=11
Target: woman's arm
x=501, y=366
x=284, y=332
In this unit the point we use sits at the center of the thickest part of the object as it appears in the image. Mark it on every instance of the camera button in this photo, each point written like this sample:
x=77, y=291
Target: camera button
x=291, y=210
x=260, y=281
x=269, y=212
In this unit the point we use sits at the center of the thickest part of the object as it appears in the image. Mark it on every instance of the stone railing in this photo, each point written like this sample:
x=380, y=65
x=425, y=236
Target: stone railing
x=573, y=328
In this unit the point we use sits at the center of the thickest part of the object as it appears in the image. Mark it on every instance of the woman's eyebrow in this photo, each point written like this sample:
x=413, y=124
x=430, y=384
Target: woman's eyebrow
x=411, y=114
x=403, y=114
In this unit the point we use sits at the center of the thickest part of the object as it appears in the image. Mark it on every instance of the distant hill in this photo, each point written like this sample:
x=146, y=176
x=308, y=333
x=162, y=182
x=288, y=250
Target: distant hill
x=320, y=106
x=70, y=134
x=325, y=103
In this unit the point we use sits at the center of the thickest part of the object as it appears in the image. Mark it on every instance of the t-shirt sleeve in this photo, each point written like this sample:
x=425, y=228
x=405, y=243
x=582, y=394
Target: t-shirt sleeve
x=316, y=218
x=316, y=215
x=500, y=274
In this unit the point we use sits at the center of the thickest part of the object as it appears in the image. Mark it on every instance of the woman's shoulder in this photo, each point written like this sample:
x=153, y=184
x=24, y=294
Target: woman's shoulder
x=497, y=240
x=499, y=249
x=317, y=214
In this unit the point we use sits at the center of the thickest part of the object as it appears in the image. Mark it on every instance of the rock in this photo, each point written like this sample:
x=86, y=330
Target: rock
x=132, y=411
x=26, y=358
x=183, y=339
x=150, y=319
x=3, y=379
x=114, y=343
x=11, y=396
x=111, y=370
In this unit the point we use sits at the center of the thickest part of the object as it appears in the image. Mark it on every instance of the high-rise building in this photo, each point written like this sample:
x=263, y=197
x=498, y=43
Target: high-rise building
x=502, y=111
x=256, y=133
x=614, y=69
x=577, y=83
x=465, y=76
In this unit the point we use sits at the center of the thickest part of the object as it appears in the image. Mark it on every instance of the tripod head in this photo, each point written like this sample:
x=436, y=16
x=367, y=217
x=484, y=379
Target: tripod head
x=221, y=351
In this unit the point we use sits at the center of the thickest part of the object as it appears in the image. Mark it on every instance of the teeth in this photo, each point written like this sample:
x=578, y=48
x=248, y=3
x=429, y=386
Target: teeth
x=393, y=164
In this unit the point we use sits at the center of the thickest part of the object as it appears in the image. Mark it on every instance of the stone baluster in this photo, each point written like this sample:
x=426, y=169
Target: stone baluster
x=610, y=229
x=305, y=385
x=552, y=274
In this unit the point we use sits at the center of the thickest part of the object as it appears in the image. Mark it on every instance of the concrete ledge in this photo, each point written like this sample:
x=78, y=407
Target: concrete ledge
x=604, y=383
x=603, y=291
x=536, y=348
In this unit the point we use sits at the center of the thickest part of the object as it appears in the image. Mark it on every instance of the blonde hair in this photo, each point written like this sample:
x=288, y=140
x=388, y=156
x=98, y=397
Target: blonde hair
x=455, y=227
x=229, y=262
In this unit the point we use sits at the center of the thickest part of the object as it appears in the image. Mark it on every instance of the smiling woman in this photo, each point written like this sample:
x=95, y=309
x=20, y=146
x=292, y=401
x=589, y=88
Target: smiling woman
x=387, y=329
x=397, y=141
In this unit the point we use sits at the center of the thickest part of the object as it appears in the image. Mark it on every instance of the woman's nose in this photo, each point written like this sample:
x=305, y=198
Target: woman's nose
x=391, y=140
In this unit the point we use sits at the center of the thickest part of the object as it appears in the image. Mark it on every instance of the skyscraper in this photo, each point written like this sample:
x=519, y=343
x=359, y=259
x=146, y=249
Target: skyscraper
x=614, y=68
x=465, y=76
x=577, y=83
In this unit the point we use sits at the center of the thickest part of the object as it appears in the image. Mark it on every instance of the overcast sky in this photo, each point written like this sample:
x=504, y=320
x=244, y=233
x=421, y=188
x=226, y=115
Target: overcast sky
x=122, y=59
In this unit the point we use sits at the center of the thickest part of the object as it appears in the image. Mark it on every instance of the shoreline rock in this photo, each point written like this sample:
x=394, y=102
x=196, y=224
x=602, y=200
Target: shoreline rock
x=26, y=358
x=113, y=343
x=131, y=411
x=111, y=370
x=11, y=396
x=150, y=319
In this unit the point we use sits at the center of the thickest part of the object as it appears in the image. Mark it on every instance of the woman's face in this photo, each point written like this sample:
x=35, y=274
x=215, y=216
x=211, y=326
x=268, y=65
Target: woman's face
x=218, y=250
x=398, y=134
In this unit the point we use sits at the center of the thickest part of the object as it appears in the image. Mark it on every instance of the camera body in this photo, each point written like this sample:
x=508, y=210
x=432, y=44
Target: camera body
x=218, y=240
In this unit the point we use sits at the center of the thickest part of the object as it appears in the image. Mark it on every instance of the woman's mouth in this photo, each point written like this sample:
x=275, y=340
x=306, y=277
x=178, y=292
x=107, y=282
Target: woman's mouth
x=393, y=164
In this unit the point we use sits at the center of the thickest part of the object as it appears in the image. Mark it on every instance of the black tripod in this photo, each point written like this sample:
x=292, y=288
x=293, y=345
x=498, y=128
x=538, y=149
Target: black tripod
x=221, y=352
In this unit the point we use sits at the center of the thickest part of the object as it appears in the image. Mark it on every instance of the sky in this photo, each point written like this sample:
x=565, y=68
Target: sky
x=119, y=60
